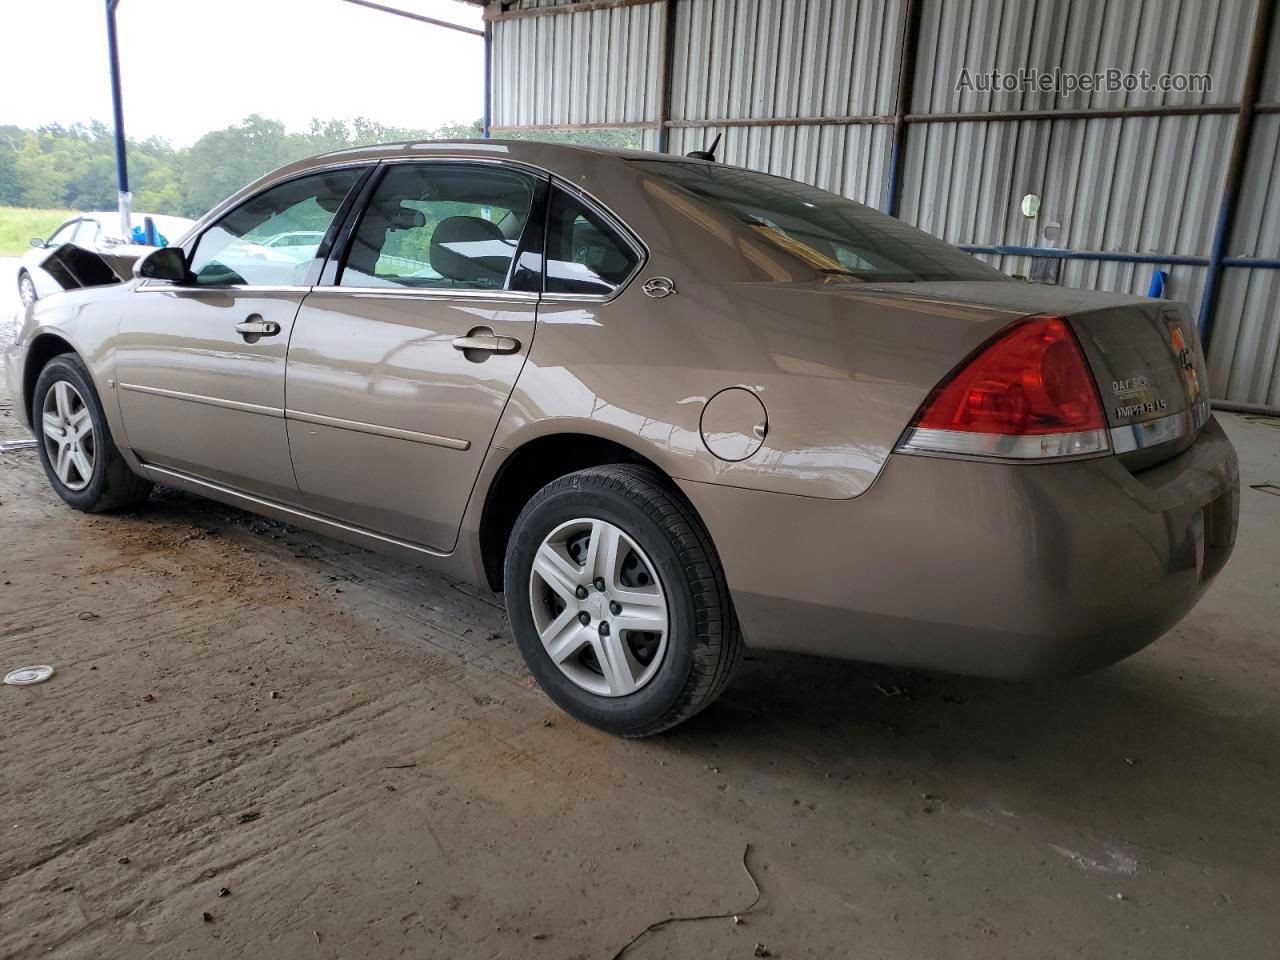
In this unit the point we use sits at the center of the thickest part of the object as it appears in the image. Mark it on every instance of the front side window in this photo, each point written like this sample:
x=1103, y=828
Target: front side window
x=833, y=234
x=584, y=254
x=234, y=250
x=440, y=226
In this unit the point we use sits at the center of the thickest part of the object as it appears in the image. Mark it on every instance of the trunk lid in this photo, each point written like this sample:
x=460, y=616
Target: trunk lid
x=1144, y=354
x=1146, y=357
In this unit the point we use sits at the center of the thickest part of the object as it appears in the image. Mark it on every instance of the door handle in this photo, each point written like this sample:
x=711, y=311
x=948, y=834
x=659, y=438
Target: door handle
x=482, y=339
x=254, y=327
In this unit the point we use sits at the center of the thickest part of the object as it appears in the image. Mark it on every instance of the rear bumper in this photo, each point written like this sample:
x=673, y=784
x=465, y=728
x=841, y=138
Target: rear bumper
x=979, y=568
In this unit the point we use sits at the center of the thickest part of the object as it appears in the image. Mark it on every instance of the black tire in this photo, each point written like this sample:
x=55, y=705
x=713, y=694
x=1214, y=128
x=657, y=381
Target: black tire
x=704, y=643
x=112, y=485
x=26, y=289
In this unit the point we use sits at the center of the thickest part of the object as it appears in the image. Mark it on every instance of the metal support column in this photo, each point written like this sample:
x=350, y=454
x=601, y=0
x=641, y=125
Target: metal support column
x=664, y=76
x=906, y=81
x=123, y=197
x=488, y=79
x=1235, y=167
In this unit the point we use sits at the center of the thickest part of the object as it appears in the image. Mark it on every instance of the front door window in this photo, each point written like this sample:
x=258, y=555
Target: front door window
x=237, y=250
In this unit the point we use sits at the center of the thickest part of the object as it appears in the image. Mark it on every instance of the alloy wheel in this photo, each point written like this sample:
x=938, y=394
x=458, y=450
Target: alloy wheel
x=599, y=607
x=26, y=290
x=68, y=435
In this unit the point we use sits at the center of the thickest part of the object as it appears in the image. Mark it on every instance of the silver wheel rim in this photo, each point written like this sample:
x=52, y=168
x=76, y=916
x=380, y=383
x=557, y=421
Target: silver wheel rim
x=26, y=290
x=599, y=607
x=68, y=435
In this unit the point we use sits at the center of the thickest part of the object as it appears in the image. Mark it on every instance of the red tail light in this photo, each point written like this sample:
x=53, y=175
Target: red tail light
x=1027, y=394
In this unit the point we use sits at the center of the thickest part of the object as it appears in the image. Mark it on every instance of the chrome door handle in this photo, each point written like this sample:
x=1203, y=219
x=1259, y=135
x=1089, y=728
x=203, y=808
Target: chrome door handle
x=482, y=338
x=254, y=326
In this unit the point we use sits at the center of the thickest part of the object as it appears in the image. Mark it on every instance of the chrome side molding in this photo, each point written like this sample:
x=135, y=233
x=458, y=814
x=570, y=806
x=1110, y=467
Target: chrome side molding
x=395, y=433
x=238, y=405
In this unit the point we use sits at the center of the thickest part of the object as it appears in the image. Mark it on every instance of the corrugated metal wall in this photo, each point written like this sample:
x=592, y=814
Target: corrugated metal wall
x=803, y=59
x=587, y=68
x=1142, y=185
x=1246, y=344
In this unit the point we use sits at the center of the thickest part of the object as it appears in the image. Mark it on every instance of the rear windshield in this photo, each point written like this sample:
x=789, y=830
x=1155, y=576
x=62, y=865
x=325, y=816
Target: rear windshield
x=833, y=234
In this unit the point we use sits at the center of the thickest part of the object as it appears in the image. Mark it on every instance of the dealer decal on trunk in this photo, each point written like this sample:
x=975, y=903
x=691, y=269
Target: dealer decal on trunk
x=1185, y=356
x=1136, y=395
x=1138, y=391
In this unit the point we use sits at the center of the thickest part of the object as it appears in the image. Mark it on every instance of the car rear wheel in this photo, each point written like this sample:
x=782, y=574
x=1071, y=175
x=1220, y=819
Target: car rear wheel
x=26, y=289
x=618, y=602
x=80, y=458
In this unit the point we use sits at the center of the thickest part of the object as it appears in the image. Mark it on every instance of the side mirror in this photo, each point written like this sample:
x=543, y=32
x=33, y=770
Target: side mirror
x=167, y=263
x=37, y=242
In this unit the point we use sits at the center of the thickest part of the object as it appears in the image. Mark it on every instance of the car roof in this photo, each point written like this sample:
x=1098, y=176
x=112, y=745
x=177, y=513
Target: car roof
x=512, y=149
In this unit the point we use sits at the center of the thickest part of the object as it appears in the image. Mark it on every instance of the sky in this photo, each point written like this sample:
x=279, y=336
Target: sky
x=190, y=66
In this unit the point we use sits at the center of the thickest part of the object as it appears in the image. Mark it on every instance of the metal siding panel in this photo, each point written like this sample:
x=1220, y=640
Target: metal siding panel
x=597, y=67
x=1139, y=184
x=1246, y=339
x=1081, y=36
x=1257, y=226
x=1270, y=92
x=786, y=58
x=1244, y=359
x=852, y=160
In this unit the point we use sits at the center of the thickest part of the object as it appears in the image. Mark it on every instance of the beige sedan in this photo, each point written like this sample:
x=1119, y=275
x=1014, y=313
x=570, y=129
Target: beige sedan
x=667, y=406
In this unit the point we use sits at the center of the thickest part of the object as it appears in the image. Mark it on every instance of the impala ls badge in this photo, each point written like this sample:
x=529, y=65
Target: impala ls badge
x=659, y=287
x=1142, y=399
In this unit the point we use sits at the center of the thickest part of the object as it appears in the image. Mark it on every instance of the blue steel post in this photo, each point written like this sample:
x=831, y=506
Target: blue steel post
x=123, y=196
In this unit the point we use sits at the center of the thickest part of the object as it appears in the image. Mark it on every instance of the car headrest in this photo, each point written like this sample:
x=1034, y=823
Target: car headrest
x=470, y=249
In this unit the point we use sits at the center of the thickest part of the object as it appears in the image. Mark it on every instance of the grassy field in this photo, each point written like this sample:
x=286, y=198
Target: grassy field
x=19, y=224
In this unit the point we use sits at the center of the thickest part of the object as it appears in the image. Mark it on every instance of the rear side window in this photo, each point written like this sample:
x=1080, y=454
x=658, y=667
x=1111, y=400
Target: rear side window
x=64, y=233
x=86, y=232
x=833, y=234
x=585, y=253
x=440, y=226
x=234, y=250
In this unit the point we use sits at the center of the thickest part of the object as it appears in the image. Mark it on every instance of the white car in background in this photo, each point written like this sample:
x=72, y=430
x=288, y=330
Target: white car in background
x=99, y=232
x=296, y=245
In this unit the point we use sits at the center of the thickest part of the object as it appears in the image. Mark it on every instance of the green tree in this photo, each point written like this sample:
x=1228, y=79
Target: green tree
x=11, y=138
x=221, y=162
x=56, y=166
x=40, y=183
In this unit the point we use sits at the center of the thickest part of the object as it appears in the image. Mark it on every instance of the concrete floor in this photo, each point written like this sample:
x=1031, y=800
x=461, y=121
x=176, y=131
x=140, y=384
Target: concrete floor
x=353, y=749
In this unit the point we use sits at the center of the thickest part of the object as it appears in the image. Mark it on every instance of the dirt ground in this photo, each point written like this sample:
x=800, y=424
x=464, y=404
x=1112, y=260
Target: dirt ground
x=352, y=750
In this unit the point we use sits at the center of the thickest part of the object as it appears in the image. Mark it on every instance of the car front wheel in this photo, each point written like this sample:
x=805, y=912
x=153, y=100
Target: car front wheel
x=79, y=457
x=26, y=289
x=618, y=602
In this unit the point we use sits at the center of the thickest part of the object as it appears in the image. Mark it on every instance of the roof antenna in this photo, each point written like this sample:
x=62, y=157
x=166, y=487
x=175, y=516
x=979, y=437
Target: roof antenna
x=707, y=154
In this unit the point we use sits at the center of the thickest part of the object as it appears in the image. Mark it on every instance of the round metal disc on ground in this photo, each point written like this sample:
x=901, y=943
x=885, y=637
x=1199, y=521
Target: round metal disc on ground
x=25, y=676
